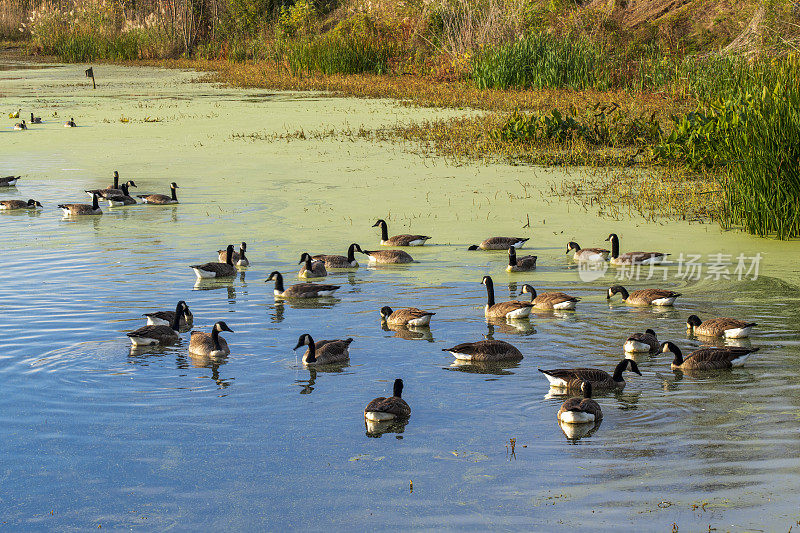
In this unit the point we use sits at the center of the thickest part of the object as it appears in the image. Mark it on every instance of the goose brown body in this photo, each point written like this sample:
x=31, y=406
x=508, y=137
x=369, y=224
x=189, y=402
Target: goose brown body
x=644, y=297
x=485, y=350
x=573, y=378
x=632, y=258
x=311, y=268
x=550, y=300
x=731, y=328
x=500, y=243
x=642, y=342
x=708, y=358
x=388, y=256
x=512, y=309
x=82, y=209
x=10, y=205
x=324, y=352
x=216, y=270
x=389, y=408
x=340, y=261
x=408, y=316
x=581, y=410
x=587, y=254
x=300, y=290
x=399, y=240
x=524, y=263
x=210, y=344
x=161, y=199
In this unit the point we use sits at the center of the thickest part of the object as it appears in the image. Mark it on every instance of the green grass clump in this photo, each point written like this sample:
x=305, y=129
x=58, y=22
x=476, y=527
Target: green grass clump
x=337, y=54
x=541, y=61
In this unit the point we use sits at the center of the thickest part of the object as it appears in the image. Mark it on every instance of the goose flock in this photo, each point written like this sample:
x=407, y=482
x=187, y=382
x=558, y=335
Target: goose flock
x=164, y=327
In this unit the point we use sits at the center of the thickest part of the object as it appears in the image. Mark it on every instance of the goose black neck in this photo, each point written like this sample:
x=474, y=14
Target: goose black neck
x=215, y=338
x=278, y=282
x=116, y=180
x=312, y=352
x=621, y=366
x=176, y=320
x=351, y=253
x=308, y=263
x=532, y=292
x=174, y=194
x=124, y=189
x=398, y=388
x=622, y=291
x=228, y=251
x=241, y=254
x=95, y=205
x=512, y=257
x=489, y=292
x=587, y=389
x=678, y=361
x=615, y=247
x=384, y=231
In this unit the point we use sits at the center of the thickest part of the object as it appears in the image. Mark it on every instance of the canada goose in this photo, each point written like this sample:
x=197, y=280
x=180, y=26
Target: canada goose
x=35, y=120
x=19, y=204
x=646, y=342
x=82, y=209
x=388, y=256
x=311, y=268
x=644, y=297
x=300, y=290
x=14, y=115
x=324, y=352
x=122, y=198
x=70, y=123
x=730, y=328
x=395, y=406
x=708, y=358
x=165, y=318
x=147, y=335
x=237, y=258
x=399, y=240
x=631, y=258
x=581, y=410
x=212, y=345
x=114, y=186
x=117, y=190
x=20, y=126
x=340, y=261
x=526, y=263
x=407, y=316
x=550, y=300
x=587, y=254
x=9, y=181
x=216, y=270
x=486, y=350
x=511, y=309
x=161, y=199
x=573, y=378
x=499, y=243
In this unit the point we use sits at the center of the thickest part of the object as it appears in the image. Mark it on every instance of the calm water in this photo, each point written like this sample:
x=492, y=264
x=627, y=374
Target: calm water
x=96, y=434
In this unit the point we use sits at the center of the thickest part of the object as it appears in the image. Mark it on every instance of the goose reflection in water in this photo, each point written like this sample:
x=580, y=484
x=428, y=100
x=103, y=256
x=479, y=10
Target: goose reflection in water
x=508, y=327
x=502, y=368
x=307, y=385
x=576, y=432
x=213, y=363
x=279, y=309
x=410, y=333
x=376, y=429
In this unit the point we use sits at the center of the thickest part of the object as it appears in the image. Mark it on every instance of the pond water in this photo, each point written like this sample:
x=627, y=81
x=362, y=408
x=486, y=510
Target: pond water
x=95, y=434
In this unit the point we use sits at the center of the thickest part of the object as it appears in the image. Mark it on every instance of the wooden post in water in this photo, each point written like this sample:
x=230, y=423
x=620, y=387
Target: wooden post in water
x=90, y=74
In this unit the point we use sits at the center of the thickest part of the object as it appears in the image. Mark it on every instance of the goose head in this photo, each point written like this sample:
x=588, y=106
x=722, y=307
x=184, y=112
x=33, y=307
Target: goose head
x=386, y=311
x=220, y=326
x=586, y=389
x=33, y=203
x=612, y=237
x=304, y=340
x=693, y=321
x=572, y=245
